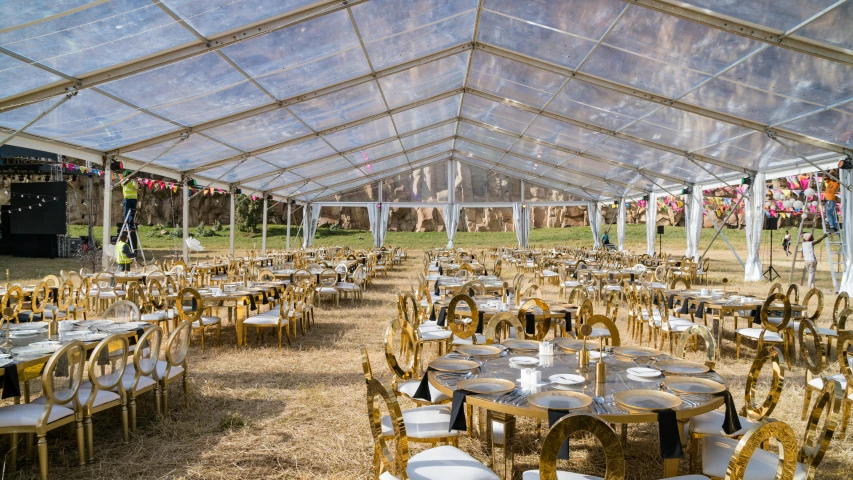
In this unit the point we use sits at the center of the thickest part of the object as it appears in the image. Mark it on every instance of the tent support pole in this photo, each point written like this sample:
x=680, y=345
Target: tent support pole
x=186, y=218
x=232, y=220
x=264, y=227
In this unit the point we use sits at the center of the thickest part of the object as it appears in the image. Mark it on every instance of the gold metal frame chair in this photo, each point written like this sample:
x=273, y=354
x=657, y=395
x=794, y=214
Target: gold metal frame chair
x=567, y=426
x=543, y=327
x=706, y=335
x=768, y=326
x=105, y=390
x=139, y=378
x=175, y=366
x=196, y=317
x=491, y=329
x=462, y=330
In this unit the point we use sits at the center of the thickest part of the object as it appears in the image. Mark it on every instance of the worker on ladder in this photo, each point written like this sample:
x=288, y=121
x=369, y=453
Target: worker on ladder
x=130, y=192
x=831, y=196
x=124, y=253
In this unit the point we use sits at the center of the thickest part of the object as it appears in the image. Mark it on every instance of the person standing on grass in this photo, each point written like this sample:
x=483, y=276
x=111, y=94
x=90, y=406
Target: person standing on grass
x=809, y=257
x=830, y=195
x=124, y=253
x=786, y=243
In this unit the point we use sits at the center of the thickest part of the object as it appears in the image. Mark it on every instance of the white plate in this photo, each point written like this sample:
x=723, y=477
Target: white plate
x=92, y=337
x=95, y=323
x=46, y=344
x=644, y=372
x=33, y=351
x=127, y=326
x=524, y=361
x=5, y=361
x=641, y=379
x=23, y=333
x=595, y=354
x=28, y=326
x=566, y=379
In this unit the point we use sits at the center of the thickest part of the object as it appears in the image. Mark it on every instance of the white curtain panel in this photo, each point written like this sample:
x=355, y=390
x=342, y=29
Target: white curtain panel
x=754, y=208
x=846, y=284
x=384, y=214
x=451, y=222
x=695, y=216
x=310, y=218
x=651, y=223
x=526, y=226
x=518, y=223
x=594, y=212
x=374, y=227
x=620, y=225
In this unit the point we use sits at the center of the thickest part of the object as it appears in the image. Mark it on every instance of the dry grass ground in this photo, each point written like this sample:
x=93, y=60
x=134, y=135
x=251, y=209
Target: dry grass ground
x=259, y=413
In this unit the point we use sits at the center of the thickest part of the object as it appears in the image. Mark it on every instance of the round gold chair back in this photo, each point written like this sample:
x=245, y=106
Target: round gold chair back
x=424, y=293
x=462, y=329
x=816, y=438
x=408, y=308
x=775, y=288
x=65, y=295
x=147, y=351
x=105, y=281
x=813, y=357
x=467, y=268
x=612, y=309
x=793, y=293
x=365, y=364
x=845, y=355
x=40, y=298
x=63, y=374
x=530, y=292
x=807, y=300
x=136, y=294
x=10, y=308
x=706, y=335
x=542, y=327
x=585, y=311
x=608, y=323
x=106, y=366
x=122, y=311
x=751, y=409
x=491, y=328
x=82, y=296
x=683, y=281
x=473, y=287
x=51, y=280
x=754, y=439
x=578, y=422
x=173, y=286
x=266, y=275
x=302, y=276
x=189, y=315
x=155, y=293
x=516, y=282
x=328, y=278
x=772, y=299
x=496, y=271
x=578, y=294
x=842, y=301
x=400, y=358
x=392, y=453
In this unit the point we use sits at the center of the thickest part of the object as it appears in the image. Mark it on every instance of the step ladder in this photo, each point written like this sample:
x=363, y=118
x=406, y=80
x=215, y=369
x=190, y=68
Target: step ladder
x=133, y=240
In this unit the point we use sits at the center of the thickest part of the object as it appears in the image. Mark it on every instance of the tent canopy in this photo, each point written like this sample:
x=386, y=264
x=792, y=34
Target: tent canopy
x=301, y=99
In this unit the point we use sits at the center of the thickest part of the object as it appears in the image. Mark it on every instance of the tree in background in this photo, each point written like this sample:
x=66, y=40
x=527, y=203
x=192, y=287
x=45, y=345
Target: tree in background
x=249, y=214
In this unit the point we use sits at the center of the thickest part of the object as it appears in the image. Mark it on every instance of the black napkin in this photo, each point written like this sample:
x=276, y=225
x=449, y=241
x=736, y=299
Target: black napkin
x=133, y=340
x=436, y=292
x=731, y=422
x=670, y=301
x=54, y=294
x=631, y=276
x=264, y=299
x=252, y=305
x=530, y=323
x=432, y=313
x=670, y=439
x=440, y=270
x=143, y=279
x=685, y=306
x=700, y=310
x=553, y=417
x=275, y=293
x=104, y=356
x=442, y=317
x=11, y=384
x=457, y=410
x=756, y=315
x=479, y=323
x=568, y=317
x=423, y=393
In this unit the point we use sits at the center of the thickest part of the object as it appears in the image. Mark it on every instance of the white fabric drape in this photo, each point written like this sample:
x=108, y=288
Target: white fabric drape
x=754, y=209
x=451, y=222
x=620, y=225
x=694, y=217
x=518, y=223
x=310, y=218
x=384, y=214
x=594, y=212
x=371, y=219
x=846, y=284
x=651, y=223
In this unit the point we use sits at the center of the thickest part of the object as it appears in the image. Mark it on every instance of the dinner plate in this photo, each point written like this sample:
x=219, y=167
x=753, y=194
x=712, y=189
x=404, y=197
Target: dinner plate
x=642, y=400
x=92, y=337
x=566, y=379
x=30, y=351
x=453, y=365
x=478, y=350
x=681, y=367
x=679, y=384
x=644, y=372
x=560, y=400
x=28, y=326
x=486, y=385
x=597, y=354
x=641, y=379
x=23, y=333
x=524, y=361
x=574, y=345
x=95, y=323
x=126, y=326
x=516, y=344
x=5, y=361
x=634, y=352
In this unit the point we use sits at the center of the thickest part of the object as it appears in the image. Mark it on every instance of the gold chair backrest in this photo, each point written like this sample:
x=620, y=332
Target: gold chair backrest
x=8, y=309
x=845, y=355
x=578, y=294
x=585, y=311
x=51, y=280
x=60, y=385
x=608, y=324
x=542, y=327
x=815, y=362
x=403, y=368
x=775, y=288
x=266, y=275
x=40, y=298
x=813, y=293
x=302, y=276
x=65, y=295
x=177, y=347
x=473, y=287
x=842, y=301
x=105, y=281
x=462, y=329
x=106, y=366
x=365, y=364
x=393, y=458
x=193, y=315
x=82, y=296
x=612, y=309
x=706, y=335
x=490, y=330
x=530, y=292
x=754, y=439
x=751, y=409
x=816, y=439
x=122, y=311
x=793, y=293
x=155, y=293
x=564, y=428
x=328, y=278
x=496, y=271
x=772, y=299
x=685, y=283
x=408, y=308
x=135, y=293
x=147, y=353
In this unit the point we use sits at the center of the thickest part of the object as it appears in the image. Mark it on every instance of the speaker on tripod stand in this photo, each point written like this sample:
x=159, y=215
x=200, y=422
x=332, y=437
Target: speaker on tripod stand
x=771, y=224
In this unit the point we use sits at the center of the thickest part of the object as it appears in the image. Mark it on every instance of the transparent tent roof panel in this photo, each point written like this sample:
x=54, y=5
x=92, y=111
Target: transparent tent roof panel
x=216, y=16
x=485, y=135
x=600, y=106
x=496, y=114
x=423, y=153
x=429, y=136
x=379, y=151
x=340, y=107
x=259, y=131
x=275, y=180
x=238, y=170
x=299, y=152
x=513, y=80
x=363, y=134
x=20, y=77
x=429, y=114
x=425, y=81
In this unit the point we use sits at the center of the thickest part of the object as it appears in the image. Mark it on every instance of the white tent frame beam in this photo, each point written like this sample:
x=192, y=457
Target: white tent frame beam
x=750, y=30
x=349, y=186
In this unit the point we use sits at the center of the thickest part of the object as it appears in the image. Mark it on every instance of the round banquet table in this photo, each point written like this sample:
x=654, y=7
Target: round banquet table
x=564, y=361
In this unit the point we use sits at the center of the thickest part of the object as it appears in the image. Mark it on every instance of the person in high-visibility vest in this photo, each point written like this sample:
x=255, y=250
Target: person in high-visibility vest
x=124, y=253
x=129, y=191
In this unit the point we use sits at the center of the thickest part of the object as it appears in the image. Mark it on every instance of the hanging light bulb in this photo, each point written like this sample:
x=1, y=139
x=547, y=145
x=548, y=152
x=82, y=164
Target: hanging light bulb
x=809, y=192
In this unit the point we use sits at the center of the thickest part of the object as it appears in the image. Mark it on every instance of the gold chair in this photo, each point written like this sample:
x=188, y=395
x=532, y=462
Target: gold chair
x=61, y=379
x=816, y=380
x=82, y=298
x=769, y=332
x=155, y=305
x=64, y=299
x=196, y=317
x=174, y=367
x=281, y=318
x=326, y=286
x=493, y=329
x=543, y=326
x=464, y=329
x=138, y=377
x=473, y=288
x=610, y=332
x=355, y=287
x=393, y=463
x=710, y=343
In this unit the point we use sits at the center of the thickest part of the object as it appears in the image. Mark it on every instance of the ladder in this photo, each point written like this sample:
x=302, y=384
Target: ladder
x=131, y=237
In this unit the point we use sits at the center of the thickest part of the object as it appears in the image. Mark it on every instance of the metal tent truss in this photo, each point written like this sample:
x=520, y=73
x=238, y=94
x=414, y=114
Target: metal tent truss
x=308, y=99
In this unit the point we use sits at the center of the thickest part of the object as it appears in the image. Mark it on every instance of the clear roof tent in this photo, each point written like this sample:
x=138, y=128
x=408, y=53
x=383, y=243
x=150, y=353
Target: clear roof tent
x=314, y=99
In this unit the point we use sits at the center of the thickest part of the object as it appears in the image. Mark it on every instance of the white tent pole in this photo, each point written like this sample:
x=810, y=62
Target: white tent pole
x=39, y=117
x=264, y=228
x=186, y=218
x=289, y=203
x=105, y=239
x=621, y=219
x=651, y=222
x=232, y=221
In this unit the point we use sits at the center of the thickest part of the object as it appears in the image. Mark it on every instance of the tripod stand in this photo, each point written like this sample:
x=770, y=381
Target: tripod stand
x=771, y=272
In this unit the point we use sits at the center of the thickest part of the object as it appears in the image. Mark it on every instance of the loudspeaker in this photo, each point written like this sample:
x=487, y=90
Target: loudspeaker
x=771, y=223
x=660, y=229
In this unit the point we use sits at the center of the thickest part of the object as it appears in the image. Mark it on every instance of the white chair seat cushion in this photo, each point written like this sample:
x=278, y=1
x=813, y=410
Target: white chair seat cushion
x=599, y=332
x=825, y=332
x=717, y=452
x=155, y=317
x=161, y=370
x=432, y=421
x=266, y=318
x=432, y=277
x=754, y=333
x=481, y=339
x=26, y=415
x=433, y=335
x=205, y=320
x=325, y=290
x=409, y=388
x=49, y=313
x=571, y=284
x=676, y=326
x=446, y=462
x=817, y=382
x=428, y=328
x=144, y=382
x=561, y=475
x=711, y=423
x=101, y=397
x=613, y=287
x=348, y=287
x=549, y=273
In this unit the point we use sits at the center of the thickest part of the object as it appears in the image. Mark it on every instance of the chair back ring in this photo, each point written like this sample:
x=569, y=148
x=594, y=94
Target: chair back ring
x=816, y=440
x=396, y=456
x=404, y=369
x=750, y=409
x=609, y=324
x=462, y=330
x=543, y=327
x=754, y=438
x=65, y=295
x=10, y=313
x=816, y=362
x=570, y=424
x=491, y=327
x=706, y=335
x=768, y=305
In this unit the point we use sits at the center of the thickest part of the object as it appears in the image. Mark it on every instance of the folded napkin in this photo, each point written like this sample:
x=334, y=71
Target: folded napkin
x=133, y=340
x=756, y=314
x=423, y=393
x=11, y=384
x=530, y=323
x=553, y=417
x=252, y=305
x=440, y=271
x=700, y=310
x=568, y=317
x=442, y=317
x=685, y=306
x=436, y=292
x=479, y=323
x=264, y=299
x=670, y=439
x=670, y=301
x=731, y=421
x=457, y=410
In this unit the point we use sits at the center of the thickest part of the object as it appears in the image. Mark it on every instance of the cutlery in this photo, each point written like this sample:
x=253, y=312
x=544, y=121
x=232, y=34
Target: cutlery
x=505, y=395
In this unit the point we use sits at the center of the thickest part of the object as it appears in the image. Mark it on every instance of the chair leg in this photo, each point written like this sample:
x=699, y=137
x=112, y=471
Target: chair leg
x=186, y=386
x=43, y=456
x=845, y=417
x=124, y=422
x=157, y=399
x=132, y=409
x=737, y=346
x=90, y=441
x=81, y=442
x=13, y=455
x=164, y=392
